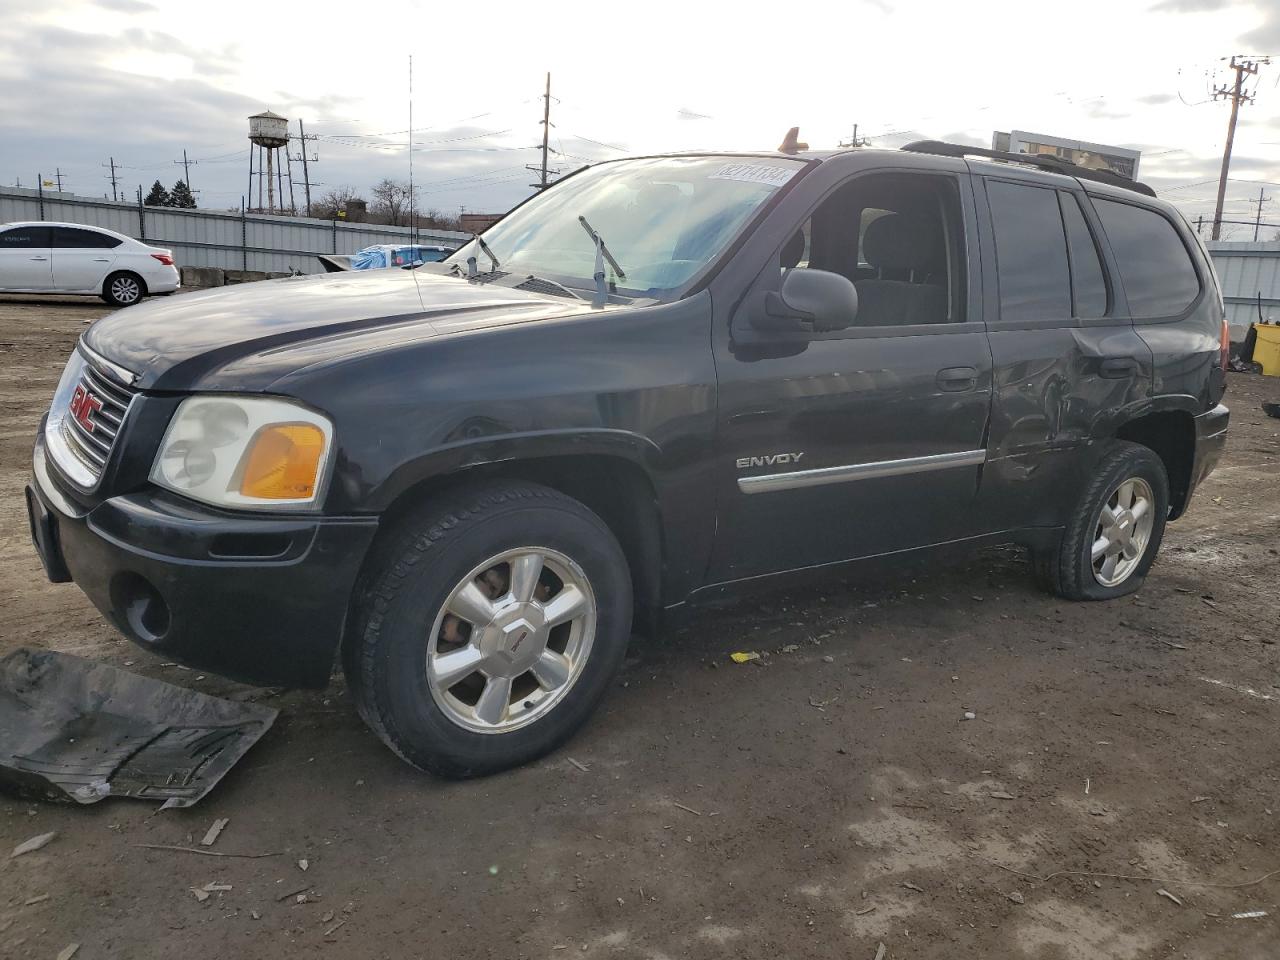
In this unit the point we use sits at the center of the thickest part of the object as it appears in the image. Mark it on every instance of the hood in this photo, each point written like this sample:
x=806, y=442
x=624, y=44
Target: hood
x=185, y=341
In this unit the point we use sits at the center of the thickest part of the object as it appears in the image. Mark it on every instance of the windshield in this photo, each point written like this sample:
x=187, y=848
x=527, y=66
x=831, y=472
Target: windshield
x=663, y=219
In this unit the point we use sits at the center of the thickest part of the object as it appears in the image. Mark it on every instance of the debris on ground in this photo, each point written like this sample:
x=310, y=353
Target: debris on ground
x=1001, y=795
x=79, y=730
x=1249, y=915
x=69, y=951
x=201, y=895
x=881, y=950
x=579, y=764
x=740, y=657
x=1016, y=897
x=911, y=886
x=32, y=845
x=34, y=900
x=1168, y=896
x=791, y=648
x=211, y=834
x=969, y=715
x=303, y=865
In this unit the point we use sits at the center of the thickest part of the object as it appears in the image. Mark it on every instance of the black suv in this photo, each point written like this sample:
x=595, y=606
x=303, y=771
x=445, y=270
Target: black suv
x=658, y=380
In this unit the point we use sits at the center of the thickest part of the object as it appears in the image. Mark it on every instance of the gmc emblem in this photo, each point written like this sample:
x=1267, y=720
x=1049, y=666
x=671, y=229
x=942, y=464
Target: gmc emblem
x=83, y=406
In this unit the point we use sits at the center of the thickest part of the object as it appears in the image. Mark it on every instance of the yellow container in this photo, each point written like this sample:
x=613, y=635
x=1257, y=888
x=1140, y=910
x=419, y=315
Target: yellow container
x=1267, y=350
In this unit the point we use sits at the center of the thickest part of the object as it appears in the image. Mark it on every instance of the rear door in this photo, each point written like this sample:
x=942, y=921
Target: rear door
x=82, y=258
x=1065, y=353
x=25, y=259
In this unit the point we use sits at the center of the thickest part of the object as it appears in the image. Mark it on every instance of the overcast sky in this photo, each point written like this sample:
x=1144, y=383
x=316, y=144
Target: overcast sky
x=141, y=80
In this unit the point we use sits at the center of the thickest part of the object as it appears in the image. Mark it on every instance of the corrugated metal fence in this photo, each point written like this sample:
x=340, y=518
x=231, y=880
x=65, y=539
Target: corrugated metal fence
x=213, y=238
x=1249, y=273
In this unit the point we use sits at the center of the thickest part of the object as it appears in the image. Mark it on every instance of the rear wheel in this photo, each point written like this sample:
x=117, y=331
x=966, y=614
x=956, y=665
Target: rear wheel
x=490, y=628
x=1115, y=530
x=123, y=289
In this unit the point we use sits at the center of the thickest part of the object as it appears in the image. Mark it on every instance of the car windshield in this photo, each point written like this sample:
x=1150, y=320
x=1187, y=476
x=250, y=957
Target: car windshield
x=663, y=219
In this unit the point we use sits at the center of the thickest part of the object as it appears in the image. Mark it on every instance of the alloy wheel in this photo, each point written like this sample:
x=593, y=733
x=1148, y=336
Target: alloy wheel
x=1123, y=531
x=125, y=289
x=511, y=640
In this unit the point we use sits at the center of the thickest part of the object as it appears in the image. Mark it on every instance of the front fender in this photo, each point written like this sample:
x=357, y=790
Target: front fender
x=475, y=451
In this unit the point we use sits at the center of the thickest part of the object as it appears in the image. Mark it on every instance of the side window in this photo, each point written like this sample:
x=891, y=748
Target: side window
x=1159, y=277
x=21, y=238
x=1088, y=286
x=71, y=238
x=1031, y=253
x=899, y=238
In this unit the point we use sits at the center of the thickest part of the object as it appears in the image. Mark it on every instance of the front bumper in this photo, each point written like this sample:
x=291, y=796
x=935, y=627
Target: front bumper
x=261, y=599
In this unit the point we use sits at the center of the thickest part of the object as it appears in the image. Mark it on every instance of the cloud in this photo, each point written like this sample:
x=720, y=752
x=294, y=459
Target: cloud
x=1155, y=99
x=127, y=6
x=1192, y=6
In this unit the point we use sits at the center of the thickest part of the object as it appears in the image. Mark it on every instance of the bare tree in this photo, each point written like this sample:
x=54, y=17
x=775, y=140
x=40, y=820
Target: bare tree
x=434, y=219
x=391, y=202
x=334, y=202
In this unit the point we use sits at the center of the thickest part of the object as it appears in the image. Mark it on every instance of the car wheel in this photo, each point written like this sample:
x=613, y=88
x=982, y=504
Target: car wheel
x=1114, y=532
x=123, y=289
x=488, y=628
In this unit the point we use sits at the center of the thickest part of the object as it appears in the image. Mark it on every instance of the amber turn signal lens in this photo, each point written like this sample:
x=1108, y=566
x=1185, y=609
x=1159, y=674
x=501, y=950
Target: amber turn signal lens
x=283, y=463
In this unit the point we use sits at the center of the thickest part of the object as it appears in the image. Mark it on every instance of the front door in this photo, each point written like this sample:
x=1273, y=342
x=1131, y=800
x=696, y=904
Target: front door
x=870, y=439
x=25, y=259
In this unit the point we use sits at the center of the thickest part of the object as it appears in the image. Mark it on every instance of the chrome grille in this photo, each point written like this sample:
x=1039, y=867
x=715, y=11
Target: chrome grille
x=92, y=419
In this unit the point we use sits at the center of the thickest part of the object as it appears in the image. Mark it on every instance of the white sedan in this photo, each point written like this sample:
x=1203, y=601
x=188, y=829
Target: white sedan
x=75, y=258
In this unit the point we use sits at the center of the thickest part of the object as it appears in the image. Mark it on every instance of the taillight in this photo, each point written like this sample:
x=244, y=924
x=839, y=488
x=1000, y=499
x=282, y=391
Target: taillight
x=165, y=258
x=1224, y=351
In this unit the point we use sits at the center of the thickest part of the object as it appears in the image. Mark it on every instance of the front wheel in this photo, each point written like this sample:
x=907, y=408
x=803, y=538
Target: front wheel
x=1114, y=533
x=490, y=628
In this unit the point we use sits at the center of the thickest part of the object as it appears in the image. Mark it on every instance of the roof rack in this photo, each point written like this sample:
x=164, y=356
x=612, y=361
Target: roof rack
x=1041, y=161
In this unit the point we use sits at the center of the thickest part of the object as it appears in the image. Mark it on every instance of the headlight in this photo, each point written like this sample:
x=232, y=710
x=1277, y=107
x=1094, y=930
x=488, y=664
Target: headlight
x=245, y=452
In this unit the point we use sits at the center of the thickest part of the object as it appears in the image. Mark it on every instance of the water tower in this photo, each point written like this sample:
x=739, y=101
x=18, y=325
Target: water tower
x=270, y=133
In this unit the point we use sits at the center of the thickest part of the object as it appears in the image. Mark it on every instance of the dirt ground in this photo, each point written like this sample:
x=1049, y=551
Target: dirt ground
x=823, y=800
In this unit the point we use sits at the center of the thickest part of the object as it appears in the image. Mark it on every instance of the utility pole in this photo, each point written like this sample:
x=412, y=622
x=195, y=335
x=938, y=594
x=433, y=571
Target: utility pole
x=1235, y=93
x=1257, y=224
x=853, y=140
x=306, y=174
x=186, y=169
x=542, y=170
x=114, y=194
x=57, y=172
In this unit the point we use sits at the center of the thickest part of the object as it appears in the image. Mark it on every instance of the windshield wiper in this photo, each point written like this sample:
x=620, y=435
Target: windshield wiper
x=472, y=272
x=602, y=254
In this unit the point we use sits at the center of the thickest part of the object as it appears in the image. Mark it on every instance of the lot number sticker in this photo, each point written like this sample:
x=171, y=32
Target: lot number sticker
x=755, y=173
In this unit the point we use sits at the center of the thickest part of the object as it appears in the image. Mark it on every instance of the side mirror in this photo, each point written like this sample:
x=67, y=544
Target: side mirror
x=809, y=301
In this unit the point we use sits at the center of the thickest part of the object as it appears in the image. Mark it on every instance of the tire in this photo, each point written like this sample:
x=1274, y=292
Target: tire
x=123, y=289
x=1070, y=569
x=459, y=725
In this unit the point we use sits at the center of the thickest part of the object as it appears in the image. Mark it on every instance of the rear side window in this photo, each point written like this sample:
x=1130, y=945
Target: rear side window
x=1031, y=253
x=1159, y=277
x=71, y=238
x=20, y=238
x=1089, y=288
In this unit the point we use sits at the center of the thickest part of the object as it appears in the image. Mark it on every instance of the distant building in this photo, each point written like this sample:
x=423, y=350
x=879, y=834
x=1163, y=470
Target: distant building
x=478, y=222
x=1092, y=156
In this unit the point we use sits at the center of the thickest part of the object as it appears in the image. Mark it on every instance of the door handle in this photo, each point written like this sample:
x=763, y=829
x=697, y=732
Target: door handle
x=1117, y=368
x=39, y=258
x=101, y=259
x=956, y=379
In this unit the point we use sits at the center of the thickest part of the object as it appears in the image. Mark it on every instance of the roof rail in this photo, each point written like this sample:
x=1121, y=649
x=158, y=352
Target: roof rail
x=1038, y=160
